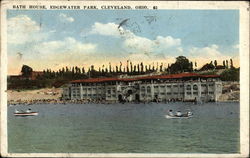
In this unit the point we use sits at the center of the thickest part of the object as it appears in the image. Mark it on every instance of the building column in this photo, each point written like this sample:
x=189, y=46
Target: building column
x=80, y=90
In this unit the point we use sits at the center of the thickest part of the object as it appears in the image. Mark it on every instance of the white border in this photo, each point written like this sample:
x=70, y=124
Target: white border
x=244, y=72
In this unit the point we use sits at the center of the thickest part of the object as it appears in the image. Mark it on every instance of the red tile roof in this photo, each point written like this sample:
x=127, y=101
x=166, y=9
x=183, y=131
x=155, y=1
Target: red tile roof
x=171, y=76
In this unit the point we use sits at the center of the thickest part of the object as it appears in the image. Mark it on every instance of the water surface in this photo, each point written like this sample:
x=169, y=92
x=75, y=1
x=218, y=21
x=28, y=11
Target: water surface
x=124, y=128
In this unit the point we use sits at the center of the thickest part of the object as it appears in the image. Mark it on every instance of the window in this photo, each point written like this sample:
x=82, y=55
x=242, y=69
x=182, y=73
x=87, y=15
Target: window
x=195, y=87
x=211, y=92
x=168, y=93
x=181, y=85
x=188, y=87
x=188, y=93
x=175, y=86
x=169, y=86
x=148, y=89
x=109, y=91
x=195, y=93
x=176, y=93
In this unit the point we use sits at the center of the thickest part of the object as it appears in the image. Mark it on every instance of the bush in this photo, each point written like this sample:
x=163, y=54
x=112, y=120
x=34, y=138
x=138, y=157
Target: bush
x=232, y=74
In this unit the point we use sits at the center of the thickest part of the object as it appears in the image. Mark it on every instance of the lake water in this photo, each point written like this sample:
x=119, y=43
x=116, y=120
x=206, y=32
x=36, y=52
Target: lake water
x=124, y=128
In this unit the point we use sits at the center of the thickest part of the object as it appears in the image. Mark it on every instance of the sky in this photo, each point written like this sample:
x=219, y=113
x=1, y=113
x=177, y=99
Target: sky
x=56, y=38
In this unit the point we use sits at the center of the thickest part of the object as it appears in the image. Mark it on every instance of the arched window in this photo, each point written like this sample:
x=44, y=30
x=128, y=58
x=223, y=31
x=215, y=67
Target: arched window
x=149, y=89
x=195, y=87
x=188, y=87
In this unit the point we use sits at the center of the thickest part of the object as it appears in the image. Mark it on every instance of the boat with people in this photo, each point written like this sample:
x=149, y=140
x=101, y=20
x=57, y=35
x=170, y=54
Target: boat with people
x=25, y=113
x=178, y=115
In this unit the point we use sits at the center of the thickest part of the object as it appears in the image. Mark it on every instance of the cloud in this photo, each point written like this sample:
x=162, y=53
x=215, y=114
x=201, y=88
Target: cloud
x=138, y=44
x=66, y=18
x=58, y=53
x=211, y=52
x=22, y=29
x=69, y=45
x=109, y=29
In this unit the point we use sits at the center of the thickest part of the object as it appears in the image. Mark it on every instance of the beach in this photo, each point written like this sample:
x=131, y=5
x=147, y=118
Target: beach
x=48, y=94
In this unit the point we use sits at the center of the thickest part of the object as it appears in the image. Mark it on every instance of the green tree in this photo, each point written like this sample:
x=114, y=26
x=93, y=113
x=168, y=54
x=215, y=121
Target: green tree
x=231, y=63
x=232, y=74
x=207, y=66
x=215, y=63
x=224, y=64
x=26, y=70
x=142, y=67
x=181, y=64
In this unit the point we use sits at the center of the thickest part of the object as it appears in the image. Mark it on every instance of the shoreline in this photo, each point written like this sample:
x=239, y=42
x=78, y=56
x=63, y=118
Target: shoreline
x=53, y=96
x=102, y=102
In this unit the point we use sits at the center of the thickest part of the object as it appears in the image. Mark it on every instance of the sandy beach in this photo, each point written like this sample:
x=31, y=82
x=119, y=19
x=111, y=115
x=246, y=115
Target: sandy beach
x=38, y=94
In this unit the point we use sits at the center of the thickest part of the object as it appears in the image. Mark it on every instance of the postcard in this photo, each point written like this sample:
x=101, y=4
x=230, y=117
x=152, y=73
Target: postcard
x=124, y=79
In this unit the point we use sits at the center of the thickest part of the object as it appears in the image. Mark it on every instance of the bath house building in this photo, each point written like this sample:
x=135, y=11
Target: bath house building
x=181, y=87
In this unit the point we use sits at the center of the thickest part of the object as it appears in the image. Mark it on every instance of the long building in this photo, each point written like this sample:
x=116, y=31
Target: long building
x=181, y=87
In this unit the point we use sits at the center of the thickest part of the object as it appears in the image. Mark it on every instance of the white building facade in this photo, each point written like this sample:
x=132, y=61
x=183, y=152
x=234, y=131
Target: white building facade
x=175, y=87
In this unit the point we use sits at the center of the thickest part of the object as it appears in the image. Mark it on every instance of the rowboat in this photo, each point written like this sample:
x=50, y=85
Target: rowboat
x=178, y=117
x=25, y=113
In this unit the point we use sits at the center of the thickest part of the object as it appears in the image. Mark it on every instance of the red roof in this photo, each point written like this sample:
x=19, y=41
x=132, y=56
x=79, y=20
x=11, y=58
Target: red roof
x=171, y=76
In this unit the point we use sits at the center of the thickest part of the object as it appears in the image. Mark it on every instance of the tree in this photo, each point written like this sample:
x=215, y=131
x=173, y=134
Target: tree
x=127, y=66
x=207, y=66
x=142, y=67
x=161, y=67
x=116, y=69
x=215, y=63
x=83, y=70
x=120, y=69
x=191, y=65
x=109, y=67
x=26, y=70
x=231, y=63
x=181, y=64
x=231, y=74
x=224, y=64
x=131, y=67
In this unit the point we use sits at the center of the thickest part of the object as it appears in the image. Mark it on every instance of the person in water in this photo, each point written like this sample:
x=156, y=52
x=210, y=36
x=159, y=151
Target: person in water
x=170, y=112
x=189, y=113
x=29, y=110
x=178, y=113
